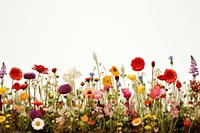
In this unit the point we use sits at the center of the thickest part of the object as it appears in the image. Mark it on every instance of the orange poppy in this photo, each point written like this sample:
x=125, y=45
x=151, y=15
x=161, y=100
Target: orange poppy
x=107, y=81
x=114, y=71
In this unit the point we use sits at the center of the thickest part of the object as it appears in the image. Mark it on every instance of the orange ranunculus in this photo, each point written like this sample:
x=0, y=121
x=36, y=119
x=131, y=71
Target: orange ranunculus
x=88, y=92
x=114, y=71
x=137, y=64
x=15, y=73
x=107, y=81
x=84, y=118
x=23, y=96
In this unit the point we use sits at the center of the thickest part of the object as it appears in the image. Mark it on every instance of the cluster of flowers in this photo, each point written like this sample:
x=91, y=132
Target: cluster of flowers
x=116, y=102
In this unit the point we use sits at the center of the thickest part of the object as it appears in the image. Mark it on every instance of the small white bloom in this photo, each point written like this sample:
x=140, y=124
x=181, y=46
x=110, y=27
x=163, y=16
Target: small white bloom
x=71, y=75
x=37, y=124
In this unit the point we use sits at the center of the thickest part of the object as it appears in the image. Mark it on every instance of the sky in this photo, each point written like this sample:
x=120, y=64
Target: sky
x=64, y=34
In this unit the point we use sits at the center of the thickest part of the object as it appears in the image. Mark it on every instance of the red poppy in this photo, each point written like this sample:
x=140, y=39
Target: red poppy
x=37, y=103
x=137, y=64
x=23, y=86
x=54, y=70
x=148, y=102
x=40, y=69
x=187, y=122
x=169, y=76
x=15, y=73
x=16, y=86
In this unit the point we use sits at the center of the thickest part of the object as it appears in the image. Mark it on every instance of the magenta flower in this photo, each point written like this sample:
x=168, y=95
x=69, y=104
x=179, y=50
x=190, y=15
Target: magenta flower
x=156, y=92
x=35, y=114
x=127, y=93
x=64, y=89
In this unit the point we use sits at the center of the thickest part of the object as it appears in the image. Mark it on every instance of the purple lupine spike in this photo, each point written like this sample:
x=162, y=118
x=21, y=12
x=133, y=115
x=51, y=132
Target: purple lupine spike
x=3, y=70
x=193, y=67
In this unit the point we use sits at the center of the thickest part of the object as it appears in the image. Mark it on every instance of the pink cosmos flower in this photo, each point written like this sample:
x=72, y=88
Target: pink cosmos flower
x=98, y=94
x=127, y=93
x=157, y=92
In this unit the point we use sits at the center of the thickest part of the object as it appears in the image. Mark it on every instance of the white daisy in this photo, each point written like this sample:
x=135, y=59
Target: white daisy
x=38, y=124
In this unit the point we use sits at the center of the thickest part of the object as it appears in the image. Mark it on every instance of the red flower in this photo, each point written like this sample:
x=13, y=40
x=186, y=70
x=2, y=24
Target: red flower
x=169, y=76
x=37, y=103
x=148, y=102
x=16, y=86
x=178, y=84
x=187, y=122
x=137, y=64
x=54, y=70
x=40, y=69
x=23, y=86
x=15, y=73
x=127, y=93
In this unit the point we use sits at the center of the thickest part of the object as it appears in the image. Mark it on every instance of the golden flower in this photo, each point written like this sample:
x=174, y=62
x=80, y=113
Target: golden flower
x=79, y=106
x=2, y=90
x=8, y=115
x=51, y=95
x=15, y=107
x=84, y=118
x=7, y=122
x=148, y=116
x=21, y=109
x=5, y=101
x=136, y=122
x=147, y=127
x=88, y=92
x=7, y=126
x=141, y=89
x=2, y=119
x=131, y=77
x=119, y=124
x=114, y=71
x=107, y=81
x=23, y=96
x=119, y=128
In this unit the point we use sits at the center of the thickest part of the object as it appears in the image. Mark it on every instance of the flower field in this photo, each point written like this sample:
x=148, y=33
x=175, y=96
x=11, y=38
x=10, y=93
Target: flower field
x=117, y=102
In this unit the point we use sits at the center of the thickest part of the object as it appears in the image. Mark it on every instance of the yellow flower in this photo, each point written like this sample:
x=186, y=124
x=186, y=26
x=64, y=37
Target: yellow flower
x=15, y=107
x=84, y=118
x=2, y=119
x=141, y=89
x=8, y=115
x=23, y=96
x=120, y=131
x=147, y=127
x=7, y=126
x=2, y=90
x=6, y=121
x=131, y=77
x=148, y=116
x=21, y=109
x=136, y=122
x=119, y=124
x=119, y=128
x=107, y=81
x=51, y=95
x=5, y=101
x=114, y=71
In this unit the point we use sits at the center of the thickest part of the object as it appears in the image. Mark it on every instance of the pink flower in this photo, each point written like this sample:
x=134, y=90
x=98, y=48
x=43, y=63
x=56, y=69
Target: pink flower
x=127, y=93
x=98, y=94
x=174, y=112
x=157, y=92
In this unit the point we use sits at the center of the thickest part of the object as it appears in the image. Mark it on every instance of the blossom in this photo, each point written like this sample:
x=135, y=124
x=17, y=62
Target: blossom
x=23, y=96
x=91, y=122
x=136, y=121
x=169, y=76
x=147, y=127
x=91, y=74
x=65, y=88
x=21, y=109
x=98, y=94
x=37, y=103
x=137, y=64
x=193, y=67
x=107, y=81
x=2, y=90
x=37, y=124
x=106, y=87
x=41, y=69
x=178, y=85
x=88, y=92
x=174, y=112
x=2, y=119
x=3, y=71
x=84, y=118
x=187, y=122
x=29, y=75
x=156, y=92
x=16, y=86
x=131, y=77
x=127, y=93
x=141, y=89
x=114, y=71
x=15, y=73
x=54, y=70
x=35, y=114
x=71, y=75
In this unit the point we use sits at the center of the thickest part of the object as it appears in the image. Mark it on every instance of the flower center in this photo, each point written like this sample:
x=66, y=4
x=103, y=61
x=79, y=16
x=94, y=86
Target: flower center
x=37, y=123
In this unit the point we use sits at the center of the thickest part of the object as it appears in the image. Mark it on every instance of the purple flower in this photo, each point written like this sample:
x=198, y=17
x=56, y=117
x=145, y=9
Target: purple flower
x=29, y=75
x=3, y=71
x=92, y=74
x=35, y=114
x=171, y=59
x=140, y=77
x=64, y=89
x=193, y=67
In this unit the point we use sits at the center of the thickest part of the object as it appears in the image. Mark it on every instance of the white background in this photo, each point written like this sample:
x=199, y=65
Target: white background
x=63, y=34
